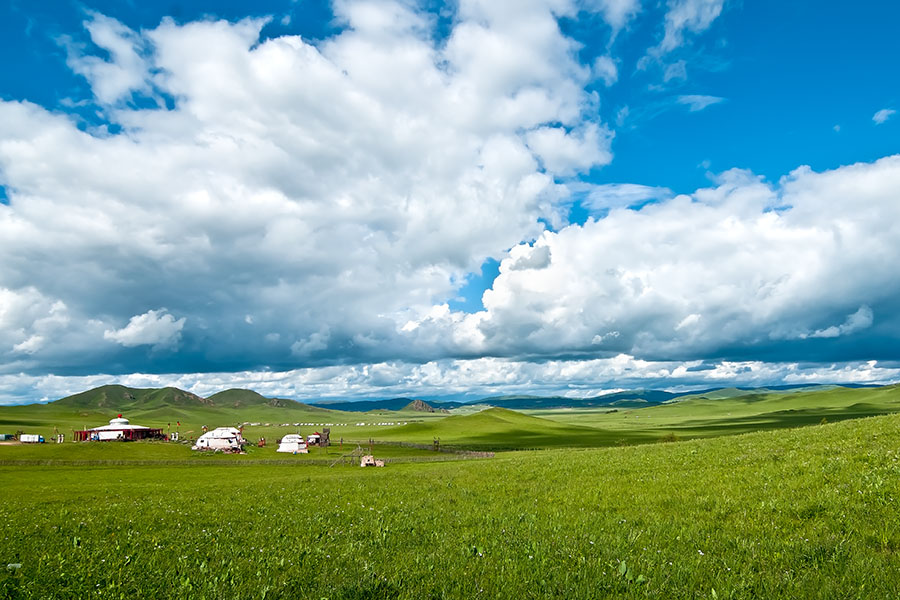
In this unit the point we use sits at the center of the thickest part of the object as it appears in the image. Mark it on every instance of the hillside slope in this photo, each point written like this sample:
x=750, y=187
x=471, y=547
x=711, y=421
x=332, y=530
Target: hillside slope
x=724, y=414
x=500, y=429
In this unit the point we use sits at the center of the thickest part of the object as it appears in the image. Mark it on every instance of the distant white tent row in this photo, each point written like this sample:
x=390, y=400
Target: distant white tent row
x=221, y=438
x=293, y=443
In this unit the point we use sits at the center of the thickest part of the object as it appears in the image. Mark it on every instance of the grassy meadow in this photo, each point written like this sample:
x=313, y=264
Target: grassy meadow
x=591, y=503
x=721, y=414
x=479, y=428
x=809, y=512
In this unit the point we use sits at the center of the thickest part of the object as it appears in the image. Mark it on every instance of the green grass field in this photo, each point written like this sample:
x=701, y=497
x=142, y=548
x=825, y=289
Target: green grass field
x=805, y=513
x=697, y=417
x=487, y=429
x=767, y=502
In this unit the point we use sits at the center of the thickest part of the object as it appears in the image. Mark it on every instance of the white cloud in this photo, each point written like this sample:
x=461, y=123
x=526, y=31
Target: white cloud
x=124, y=73
x=568, y=152
x=696, y=102
x=694, y=16
x=605, y=69
x=676, y=70
x=155, y=328
x=621, y=195
x=861, y=319
x=28, y=319
x=305, y=204
x=347, y=185
x=883, y=115
x=30, y=345
x=751, y=259
x=525, y=256
x=617, y=13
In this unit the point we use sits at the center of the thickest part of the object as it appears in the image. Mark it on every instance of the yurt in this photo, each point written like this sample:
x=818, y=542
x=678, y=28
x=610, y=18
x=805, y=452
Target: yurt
x=293, y=443
x=221, y=438
x=119, y=429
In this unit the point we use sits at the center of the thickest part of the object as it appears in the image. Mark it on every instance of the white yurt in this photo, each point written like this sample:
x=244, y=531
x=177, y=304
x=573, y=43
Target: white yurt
x=293, y=443
x=118, y=429
x=221, y=438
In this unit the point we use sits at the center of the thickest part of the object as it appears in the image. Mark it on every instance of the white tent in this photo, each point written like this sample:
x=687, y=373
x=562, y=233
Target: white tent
x=293, y=443
x=221, y=438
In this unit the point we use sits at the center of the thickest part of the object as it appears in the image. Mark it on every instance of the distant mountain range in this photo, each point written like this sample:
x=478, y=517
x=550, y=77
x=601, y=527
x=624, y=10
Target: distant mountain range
x=120, y=398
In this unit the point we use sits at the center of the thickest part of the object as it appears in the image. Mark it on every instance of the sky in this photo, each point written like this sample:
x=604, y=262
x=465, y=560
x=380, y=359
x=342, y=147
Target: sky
x=375, y=198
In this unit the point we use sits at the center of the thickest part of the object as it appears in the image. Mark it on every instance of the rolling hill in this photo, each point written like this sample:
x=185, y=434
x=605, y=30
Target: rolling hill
x=500, y=429
x=120, y=398
x=730, y=412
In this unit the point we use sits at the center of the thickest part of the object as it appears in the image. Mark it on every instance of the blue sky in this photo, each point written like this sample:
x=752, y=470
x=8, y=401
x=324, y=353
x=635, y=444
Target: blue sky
x=375, y=198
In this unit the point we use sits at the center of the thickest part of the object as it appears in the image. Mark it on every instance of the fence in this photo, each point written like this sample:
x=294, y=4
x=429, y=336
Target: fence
x=444, y=449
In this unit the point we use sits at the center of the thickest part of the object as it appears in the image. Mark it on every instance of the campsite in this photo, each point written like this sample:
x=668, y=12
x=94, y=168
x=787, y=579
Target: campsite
x=761, y=508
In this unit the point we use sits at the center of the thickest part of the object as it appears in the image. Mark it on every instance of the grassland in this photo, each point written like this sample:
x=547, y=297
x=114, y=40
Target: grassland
x=721, y=414
x=804, y=513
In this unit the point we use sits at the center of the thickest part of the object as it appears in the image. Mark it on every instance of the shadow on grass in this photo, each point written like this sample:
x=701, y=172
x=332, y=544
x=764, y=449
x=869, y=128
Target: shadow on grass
x=782, y=419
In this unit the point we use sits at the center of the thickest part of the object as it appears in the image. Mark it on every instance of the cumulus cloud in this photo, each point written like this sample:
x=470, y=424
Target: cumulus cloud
x=313, y=208
x=883, y=115
x=696, y=102
x=735, y=269
x=569, y=152
x=155, y=328
x=342, y=187
x=526, y=256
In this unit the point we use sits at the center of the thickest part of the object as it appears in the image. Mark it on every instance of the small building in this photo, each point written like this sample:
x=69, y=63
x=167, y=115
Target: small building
x=313, y=439
x=221, y=438
x=293, y=443
x=119, y=429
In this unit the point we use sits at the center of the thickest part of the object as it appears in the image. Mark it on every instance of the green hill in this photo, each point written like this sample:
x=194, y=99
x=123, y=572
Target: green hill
x=237, y=398
x=499, y=429
x=731, y=412
x=121, y=398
